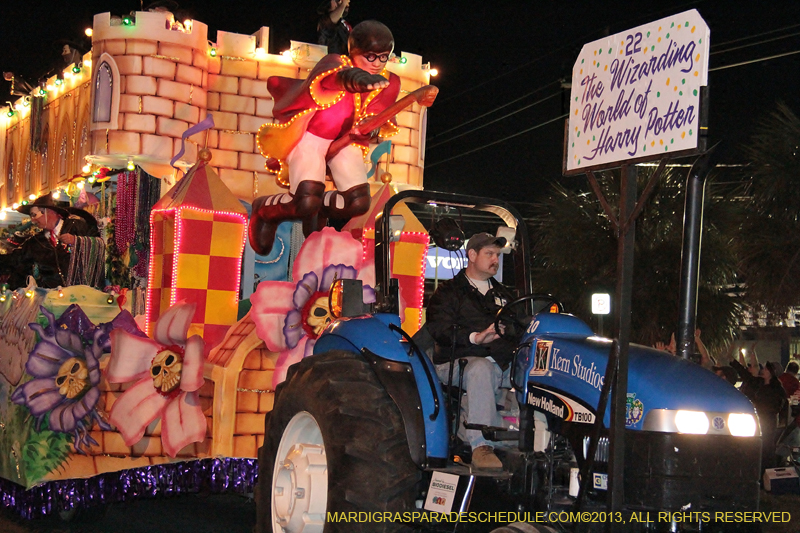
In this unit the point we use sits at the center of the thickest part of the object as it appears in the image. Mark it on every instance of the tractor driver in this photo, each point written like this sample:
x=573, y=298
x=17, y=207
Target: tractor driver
x=464, y=309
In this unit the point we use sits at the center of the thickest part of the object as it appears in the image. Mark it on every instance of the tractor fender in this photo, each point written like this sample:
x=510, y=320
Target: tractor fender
x=408, y=376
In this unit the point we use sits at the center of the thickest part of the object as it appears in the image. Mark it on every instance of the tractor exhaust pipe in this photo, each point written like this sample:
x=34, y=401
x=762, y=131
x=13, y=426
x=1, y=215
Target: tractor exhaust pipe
x=690, y=256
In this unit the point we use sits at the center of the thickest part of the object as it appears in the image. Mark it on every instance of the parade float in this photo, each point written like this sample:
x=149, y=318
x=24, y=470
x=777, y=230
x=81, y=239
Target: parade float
x=159, y=384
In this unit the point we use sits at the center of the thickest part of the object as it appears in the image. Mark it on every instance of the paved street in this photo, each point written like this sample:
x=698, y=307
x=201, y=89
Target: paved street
x=190, y=513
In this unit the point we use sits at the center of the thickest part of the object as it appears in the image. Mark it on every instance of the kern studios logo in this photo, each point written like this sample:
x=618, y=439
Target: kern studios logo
x=541, y=358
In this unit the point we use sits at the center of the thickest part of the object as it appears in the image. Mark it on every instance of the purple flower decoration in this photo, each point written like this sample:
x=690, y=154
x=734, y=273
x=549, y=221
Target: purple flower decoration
x=75, y=320
x=66, y=373
x=310, y=300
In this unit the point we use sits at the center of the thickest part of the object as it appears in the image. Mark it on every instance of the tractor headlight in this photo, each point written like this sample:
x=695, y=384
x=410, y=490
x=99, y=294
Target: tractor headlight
x=741, y=425
x=694, y=422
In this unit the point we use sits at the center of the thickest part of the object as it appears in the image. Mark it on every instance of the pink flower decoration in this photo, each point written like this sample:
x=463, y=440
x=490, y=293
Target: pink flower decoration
x=169, y=371
x=289, y=314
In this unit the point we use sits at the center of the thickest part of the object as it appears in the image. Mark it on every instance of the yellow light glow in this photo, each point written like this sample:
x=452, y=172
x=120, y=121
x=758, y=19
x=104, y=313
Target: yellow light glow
x=2, y=215
x=434, y=72
x=131, y=166
x=741, y=425
x=56, y=194
x=261, y=53
x=87, y=63
x=86, y=168
x=287, y=54
x=88, y=32
x=14, y=206
x=31, y=197
x=81, y=185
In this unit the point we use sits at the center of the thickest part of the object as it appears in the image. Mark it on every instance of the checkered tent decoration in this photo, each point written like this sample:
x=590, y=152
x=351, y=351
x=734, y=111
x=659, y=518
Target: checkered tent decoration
x=407, y=255
x=197, y=233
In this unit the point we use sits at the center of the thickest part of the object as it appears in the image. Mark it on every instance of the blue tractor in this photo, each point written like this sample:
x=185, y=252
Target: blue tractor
x=360, y=429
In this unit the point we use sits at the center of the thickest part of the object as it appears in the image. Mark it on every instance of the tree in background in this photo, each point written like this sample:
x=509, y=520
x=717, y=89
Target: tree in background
x=575, y=253
x=769, y=243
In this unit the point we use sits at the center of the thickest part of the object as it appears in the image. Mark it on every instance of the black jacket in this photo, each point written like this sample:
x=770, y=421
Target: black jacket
x=37, y=257
x=768, y=399
x=457, y=303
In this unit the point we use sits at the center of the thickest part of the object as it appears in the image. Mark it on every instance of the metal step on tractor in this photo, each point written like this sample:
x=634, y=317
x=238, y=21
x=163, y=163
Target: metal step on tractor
x=362, y=434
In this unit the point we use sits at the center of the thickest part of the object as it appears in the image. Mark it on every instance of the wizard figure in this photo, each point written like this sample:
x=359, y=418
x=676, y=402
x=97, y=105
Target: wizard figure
x=311, y=116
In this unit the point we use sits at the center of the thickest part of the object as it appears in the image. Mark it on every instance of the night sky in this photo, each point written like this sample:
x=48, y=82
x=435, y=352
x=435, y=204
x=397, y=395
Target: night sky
x=489, y=54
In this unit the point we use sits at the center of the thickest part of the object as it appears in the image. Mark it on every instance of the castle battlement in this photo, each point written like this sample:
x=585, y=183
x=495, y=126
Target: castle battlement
x=149, y=26
x=142, y=85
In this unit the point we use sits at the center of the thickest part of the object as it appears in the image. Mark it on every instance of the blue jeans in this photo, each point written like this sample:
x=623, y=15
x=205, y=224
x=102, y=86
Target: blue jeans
x=483, y=380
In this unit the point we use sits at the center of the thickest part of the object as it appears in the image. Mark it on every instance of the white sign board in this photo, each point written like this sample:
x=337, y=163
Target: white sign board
x=441, y=492
x=637, y=93
x=601, y=304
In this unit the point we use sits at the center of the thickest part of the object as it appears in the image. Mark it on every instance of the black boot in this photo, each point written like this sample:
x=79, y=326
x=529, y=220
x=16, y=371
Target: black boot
x=356, y=202
x=268, y=212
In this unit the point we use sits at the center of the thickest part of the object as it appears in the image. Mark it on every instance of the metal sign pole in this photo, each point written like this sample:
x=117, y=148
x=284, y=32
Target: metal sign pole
x=625, y=250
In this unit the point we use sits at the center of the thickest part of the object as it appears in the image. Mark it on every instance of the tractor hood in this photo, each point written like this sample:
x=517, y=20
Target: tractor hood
x=561, y=366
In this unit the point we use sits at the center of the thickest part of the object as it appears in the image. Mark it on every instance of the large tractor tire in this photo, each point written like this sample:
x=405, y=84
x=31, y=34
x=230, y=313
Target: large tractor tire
x=334, y=443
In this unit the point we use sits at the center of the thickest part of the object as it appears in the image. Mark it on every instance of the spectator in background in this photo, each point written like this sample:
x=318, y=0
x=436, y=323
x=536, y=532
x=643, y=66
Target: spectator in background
x=792, y=387
x=670, y=348
x=333, y=29
x=769, y=399
x=789, y=379
x=726, y=372
x=706, y=360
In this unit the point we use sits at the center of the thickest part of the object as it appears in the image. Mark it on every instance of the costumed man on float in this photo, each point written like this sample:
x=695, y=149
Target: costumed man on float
x=314, y=118
x=68, y=250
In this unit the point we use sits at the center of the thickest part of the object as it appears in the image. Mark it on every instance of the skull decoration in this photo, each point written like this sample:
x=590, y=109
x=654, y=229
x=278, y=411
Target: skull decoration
x=72, y=378
x=319, y=315
x=166, y=370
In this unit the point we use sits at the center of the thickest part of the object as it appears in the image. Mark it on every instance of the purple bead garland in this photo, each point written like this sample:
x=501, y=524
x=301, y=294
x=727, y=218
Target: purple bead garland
x=214, y=475
x=125, y=227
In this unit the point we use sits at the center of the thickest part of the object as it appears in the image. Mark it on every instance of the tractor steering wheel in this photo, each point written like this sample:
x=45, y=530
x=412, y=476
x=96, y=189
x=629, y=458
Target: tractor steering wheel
x=508, y=323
